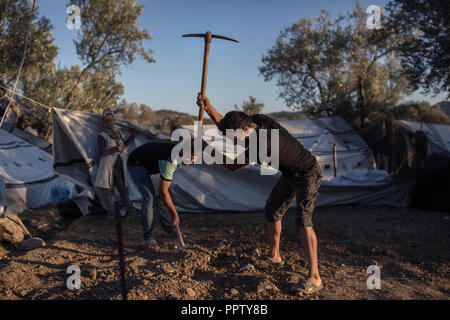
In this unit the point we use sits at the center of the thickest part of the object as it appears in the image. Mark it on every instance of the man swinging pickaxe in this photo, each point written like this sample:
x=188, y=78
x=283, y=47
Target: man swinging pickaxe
x=208, y=37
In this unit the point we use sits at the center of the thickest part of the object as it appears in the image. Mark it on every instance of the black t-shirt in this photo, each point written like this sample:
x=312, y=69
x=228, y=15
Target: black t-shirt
x=148, y=155
x=293, y=156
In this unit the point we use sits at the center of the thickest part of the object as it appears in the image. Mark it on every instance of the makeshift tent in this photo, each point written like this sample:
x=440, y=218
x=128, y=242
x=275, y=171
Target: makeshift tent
x=203, y=188
x=432, y=189
x=438, y=135
x=38, y=142
x=28, y=174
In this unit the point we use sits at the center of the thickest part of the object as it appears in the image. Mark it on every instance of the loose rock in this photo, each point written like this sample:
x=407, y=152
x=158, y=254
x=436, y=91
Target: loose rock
x=266, y=285
x=248, y=266
x=190, y=292
x=30, y=244
x=234, y=292
x=33, y=223
x=10, y=231
x=168, y=268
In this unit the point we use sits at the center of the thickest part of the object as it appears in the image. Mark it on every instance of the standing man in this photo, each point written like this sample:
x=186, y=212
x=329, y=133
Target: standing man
x=110, y=172
x=301, y=175
x=152, y=158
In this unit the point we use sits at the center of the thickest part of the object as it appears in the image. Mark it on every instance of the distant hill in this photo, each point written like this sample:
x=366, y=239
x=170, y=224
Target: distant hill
x=287, y=115
x=165, y=121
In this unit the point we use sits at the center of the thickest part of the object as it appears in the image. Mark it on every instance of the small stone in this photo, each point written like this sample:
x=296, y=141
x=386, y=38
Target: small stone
x=234, y=292
x=248, y=266
x=190, y=292
x=257, y=252
x=33, y=223
x=30, y=244
x=10, y=230
x=295, y=278
x=266, y=285
x=168, y=268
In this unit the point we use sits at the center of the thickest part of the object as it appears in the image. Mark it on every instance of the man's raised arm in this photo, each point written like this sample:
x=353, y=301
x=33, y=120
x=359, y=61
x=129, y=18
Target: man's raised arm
x=213, y=114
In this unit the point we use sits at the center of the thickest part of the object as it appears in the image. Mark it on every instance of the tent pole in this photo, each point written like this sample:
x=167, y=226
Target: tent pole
x=335, y=159
x=123, y=283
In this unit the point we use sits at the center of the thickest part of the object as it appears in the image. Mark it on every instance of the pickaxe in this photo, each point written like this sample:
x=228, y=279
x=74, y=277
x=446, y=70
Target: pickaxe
x=208, y=37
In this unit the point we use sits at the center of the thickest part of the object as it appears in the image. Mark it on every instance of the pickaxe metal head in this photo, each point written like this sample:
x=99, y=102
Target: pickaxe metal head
x=208, y=36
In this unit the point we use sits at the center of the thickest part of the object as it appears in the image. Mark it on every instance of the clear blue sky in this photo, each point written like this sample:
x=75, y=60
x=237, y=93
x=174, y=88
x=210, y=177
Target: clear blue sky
x=173, y=81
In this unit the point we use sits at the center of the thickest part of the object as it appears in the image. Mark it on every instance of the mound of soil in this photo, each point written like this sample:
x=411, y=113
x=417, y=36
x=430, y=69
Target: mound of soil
x=410, y=246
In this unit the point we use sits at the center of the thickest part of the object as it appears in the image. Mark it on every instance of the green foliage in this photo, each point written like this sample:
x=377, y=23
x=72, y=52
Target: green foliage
x=287, y=115
x=109, y=37
x=424, y=30
x=325, y=69
x=420, y=112
x=251, y=106
x=303, y=59
x=142, y=114
x=163, y=121
x=98, y=91
x=15, y=18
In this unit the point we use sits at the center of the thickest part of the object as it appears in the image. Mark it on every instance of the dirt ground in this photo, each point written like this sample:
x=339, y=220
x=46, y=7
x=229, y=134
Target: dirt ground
x=410, y=246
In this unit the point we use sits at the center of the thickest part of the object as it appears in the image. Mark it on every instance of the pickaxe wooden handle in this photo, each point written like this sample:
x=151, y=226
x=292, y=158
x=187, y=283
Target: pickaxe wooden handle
x=204, y=72
x=208, y=37
x=17, y=220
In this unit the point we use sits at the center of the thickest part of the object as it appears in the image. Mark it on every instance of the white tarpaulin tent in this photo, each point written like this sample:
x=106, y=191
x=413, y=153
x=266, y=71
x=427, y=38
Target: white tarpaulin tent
x=319, y=136
x=438, y=135
x=28, y=174
x=203, y=188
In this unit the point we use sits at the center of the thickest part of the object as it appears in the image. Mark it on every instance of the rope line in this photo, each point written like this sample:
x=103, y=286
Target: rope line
x=25, y=97
x=22, y=62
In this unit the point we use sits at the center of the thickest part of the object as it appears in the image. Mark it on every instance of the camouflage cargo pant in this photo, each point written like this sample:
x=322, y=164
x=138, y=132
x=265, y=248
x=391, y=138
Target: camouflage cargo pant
x=303, y=186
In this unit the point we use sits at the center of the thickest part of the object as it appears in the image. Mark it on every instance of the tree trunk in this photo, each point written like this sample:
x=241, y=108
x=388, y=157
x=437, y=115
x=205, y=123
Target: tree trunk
x=69, y=98
x=361, y=103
